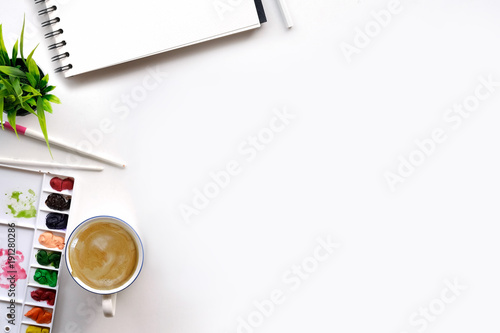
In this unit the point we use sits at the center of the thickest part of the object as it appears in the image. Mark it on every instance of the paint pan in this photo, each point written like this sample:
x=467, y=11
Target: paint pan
x=35, y=210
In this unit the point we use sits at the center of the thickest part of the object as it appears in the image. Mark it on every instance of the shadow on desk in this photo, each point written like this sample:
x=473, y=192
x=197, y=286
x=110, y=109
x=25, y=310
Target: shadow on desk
x=161, y=58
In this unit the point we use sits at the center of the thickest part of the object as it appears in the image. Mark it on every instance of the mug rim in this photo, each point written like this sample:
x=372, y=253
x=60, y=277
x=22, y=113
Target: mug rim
x=111, y=291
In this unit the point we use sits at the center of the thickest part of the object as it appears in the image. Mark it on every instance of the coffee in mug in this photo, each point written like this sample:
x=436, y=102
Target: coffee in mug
x=104, y=255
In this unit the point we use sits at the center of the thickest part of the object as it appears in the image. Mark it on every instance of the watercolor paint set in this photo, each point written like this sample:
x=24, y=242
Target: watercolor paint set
x=35, y=208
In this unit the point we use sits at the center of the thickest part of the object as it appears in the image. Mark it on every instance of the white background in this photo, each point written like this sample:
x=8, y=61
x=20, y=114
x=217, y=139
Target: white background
x=322, y=176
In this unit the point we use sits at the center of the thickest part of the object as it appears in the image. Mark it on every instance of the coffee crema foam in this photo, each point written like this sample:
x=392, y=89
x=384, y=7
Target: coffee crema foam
x=103, y=255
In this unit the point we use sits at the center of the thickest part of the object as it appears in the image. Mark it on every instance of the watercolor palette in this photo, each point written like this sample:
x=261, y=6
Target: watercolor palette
x=35, y=208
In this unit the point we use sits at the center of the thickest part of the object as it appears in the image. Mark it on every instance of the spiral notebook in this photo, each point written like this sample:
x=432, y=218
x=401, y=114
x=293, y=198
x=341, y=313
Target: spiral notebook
x=93, y=34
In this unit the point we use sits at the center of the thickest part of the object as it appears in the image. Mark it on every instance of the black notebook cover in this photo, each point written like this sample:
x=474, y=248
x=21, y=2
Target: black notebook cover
x=260, y=11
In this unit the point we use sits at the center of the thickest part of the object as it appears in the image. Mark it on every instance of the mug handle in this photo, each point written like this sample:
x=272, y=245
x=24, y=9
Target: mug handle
x=109, y=305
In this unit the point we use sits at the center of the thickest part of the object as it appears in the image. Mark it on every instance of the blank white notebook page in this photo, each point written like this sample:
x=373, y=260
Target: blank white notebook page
x=100, y=34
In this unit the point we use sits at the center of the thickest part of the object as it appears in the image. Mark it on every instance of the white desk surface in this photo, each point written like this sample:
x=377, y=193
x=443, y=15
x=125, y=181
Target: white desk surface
x=423, y=257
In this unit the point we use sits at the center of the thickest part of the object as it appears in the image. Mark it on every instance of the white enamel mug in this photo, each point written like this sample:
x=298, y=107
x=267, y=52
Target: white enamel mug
x=108, y=296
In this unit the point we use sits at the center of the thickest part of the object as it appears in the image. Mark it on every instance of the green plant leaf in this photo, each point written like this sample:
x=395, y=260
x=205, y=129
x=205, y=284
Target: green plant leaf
x=21, y=45
x=16, y=84
x=3, y=93
x=29, y=109
x=52, y=99
x=41, y=119
x=46, y=105
x=10, y=99
x=31, y=102
x=8, y=86
x=12, y=71
x=32, y=90
x=31, y=79
x=33, y=69
x=30, y=56
x=4, y=57
x=44, y=81
x=48, y=89
x=1, y=112
x=11, y=116
x=14, y=54
x=27, y=97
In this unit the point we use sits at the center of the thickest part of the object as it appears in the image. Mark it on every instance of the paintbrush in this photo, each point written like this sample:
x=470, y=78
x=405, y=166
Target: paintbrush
x=15, y=161
x=39, y=136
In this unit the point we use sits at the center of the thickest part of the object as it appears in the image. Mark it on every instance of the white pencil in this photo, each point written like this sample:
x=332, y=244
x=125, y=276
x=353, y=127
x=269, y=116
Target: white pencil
x=15, y=161
x=286, y=13
x=39, y=136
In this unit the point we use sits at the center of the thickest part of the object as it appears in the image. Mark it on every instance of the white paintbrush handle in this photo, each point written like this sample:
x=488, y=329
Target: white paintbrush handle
x=15, y=161
x=35, y=135
x=39, y=136
x=286, y=13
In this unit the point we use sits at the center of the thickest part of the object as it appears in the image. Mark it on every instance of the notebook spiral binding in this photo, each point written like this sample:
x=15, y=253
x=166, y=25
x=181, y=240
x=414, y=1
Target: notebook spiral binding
x=54, y=33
